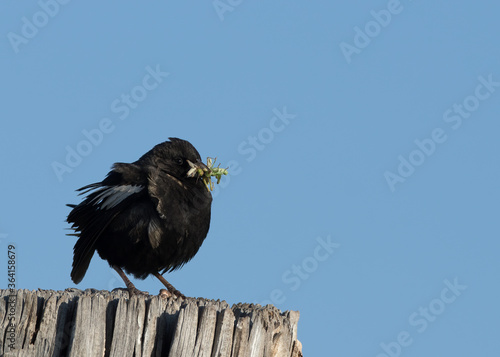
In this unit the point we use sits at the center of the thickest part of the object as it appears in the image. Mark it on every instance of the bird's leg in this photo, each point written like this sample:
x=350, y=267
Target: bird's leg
x=169, y=286
x=132, y=290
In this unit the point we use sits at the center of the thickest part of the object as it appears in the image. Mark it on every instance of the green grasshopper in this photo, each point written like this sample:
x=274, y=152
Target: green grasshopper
x=206, y=175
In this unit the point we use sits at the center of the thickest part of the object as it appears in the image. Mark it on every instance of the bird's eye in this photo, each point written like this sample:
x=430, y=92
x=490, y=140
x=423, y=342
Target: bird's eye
x=179, y=161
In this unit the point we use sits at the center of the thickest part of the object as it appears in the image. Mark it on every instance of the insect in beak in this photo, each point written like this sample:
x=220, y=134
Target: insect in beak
x=205, y=172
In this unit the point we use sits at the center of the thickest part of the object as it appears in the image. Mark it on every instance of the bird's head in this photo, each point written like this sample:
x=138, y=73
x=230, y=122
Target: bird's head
x=180, y=159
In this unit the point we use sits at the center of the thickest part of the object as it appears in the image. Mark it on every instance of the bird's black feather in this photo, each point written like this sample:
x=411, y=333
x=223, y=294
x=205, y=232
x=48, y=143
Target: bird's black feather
x=145, y=217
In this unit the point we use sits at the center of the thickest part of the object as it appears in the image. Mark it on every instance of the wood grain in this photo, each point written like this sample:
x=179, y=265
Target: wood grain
x=103, y=323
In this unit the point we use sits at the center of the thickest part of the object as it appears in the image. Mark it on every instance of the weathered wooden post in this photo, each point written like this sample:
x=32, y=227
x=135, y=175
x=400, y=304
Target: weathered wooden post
x=102, y=323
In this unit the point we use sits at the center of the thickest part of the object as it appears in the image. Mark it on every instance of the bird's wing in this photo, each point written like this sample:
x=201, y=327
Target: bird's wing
x=166, y=192
x=105, y=201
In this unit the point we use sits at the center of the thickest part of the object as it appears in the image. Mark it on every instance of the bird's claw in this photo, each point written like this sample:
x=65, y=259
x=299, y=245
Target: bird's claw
x=134, y=291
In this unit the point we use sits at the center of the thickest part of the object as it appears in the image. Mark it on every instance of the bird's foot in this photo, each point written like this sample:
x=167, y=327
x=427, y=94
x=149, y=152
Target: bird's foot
x=179, y=294
x=169, y=286
x=164, y=294
x=134, y=291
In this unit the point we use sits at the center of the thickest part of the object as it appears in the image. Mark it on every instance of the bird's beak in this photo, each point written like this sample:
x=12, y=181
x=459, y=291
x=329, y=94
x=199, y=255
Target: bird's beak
x=197, y=169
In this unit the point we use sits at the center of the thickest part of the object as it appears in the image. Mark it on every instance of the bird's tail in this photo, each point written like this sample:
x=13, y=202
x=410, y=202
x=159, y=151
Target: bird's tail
x=81, y=261
x=88, y=228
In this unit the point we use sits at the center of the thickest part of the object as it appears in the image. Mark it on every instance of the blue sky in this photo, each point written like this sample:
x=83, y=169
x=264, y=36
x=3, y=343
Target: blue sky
x=362, y=140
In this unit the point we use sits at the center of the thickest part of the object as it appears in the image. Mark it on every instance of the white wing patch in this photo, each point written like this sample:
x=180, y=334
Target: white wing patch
x=111, y=196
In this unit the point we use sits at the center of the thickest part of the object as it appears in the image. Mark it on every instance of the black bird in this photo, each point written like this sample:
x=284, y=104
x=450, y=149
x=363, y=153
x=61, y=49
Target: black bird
x=147, y=217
